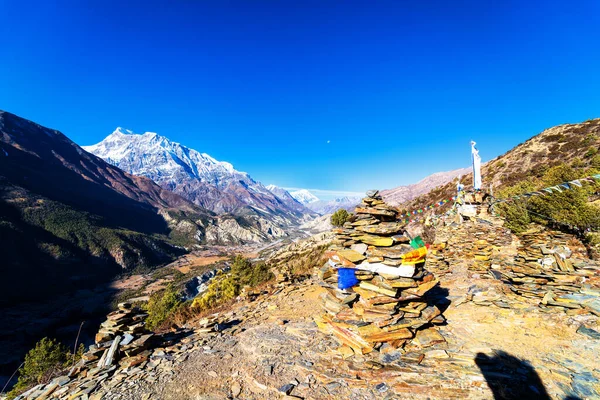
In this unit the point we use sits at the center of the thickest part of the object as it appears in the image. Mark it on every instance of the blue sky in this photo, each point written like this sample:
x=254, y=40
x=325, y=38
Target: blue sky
x=333, y=95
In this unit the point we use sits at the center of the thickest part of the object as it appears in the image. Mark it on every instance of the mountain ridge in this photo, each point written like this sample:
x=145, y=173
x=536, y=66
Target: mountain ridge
x=566, y=143
x=70, y=215
x=198, y=177
x=402, y=194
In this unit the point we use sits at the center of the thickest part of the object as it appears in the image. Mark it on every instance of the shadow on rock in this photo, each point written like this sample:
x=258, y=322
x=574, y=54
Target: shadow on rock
x=438, y=296
x=510, y=378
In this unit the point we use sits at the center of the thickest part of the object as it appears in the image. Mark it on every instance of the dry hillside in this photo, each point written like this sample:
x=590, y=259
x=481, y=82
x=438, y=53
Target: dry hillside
x=570, y=143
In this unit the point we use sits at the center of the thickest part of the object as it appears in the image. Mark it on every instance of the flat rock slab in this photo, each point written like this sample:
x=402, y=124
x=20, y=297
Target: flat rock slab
x=351, y=255
x=383, y=228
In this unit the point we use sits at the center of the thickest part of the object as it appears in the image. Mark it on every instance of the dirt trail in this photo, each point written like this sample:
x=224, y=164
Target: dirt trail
x=276, y=343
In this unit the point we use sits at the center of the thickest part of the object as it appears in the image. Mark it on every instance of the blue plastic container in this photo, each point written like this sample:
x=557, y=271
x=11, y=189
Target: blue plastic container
x=346, y=278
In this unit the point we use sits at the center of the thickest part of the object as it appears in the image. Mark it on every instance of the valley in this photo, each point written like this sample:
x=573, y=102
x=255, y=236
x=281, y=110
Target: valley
x=323, y=200
x=179, y=223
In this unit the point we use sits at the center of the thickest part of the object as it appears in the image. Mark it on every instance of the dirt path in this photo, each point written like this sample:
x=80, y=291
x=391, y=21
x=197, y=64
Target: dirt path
x=277, y=343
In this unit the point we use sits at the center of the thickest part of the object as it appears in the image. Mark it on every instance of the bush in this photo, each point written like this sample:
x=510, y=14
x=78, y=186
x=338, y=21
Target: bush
x=247, y=274
x=339, y=217
x=567, y=209
x=161, y=305
x=225, y=287
x=47, y=360
x=516, y=216
x=595, y=161
x=591, y=152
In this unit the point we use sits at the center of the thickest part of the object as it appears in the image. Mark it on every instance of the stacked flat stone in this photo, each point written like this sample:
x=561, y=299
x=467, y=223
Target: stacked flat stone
x=126, y=320
x=478, y=244
x=388, y=305
x=130, y=355
x=553, y=266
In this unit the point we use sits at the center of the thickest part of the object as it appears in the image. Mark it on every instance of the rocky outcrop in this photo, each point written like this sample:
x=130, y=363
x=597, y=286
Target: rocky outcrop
x=319, y=224
x=229, y=230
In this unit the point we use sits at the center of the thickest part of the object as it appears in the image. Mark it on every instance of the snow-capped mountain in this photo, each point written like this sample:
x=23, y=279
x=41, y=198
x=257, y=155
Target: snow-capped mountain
x=327, y=207
x=304, y=196
x=212, y=184
x=162, y=160
x=288, y=199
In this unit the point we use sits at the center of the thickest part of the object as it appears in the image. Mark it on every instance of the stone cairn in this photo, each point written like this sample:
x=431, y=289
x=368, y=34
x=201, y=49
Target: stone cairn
x=547, y=266
x=122, y=338
x=554, y=267
x=479, y=244
x=387, y=306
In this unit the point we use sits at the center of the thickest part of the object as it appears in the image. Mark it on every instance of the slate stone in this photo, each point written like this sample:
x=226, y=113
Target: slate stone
x=287, y=389
x=589, y=332
x=382, y=387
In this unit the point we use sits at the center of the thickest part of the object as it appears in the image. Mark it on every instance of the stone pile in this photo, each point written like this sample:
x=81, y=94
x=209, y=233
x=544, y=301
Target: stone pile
x=553, y=266
x=478, y=243
x=125, y=351
x=387, y=305
x=127, y=320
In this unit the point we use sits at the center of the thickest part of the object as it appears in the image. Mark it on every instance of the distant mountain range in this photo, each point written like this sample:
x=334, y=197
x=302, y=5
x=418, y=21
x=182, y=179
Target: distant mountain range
x=313, y=203
x=211, y=184
x=328, y=207
x=68, y=218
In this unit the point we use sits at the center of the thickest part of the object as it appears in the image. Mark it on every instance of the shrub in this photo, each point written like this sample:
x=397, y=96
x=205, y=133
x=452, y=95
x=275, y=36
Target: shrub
x=589, y=139
x=161, y=305
x=339, y=217
x=558, y=137
x=46, y=360
x=567, y=209
x=591, y=152
x=595, y=161
x=516, y=216
x=245, y=273
x=225, y=287
x=592, y=239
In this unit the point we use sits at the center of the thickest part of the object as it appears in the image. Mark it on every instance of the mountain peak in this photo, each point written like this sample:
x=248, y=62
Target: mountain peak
x=160, y=159
x=304, y=196
x=122, y=131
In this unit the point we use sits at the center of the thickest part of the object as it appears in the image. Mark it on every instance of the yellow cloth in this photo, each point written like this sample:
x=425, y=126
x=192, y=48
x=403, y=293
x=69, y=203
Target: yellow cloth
x=415, y=256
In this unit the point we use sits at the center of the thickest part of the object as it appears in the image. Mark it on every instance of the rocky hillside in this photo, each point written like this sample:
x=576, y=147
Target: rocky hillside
x=402, y=194
x=574, y=144
x=211, y=184
x=496, y=341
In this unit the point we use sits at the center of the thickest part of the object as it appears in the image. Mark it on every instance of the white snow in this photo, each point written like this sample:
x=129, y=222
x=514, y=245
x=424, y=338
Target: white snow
x=304, y=196
x=162, y=160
